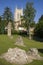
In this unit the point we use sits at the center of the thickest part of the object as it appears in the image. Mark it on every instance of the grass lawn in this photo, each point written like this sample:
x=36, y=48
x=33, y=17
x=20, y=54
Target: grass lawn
x=6, y=43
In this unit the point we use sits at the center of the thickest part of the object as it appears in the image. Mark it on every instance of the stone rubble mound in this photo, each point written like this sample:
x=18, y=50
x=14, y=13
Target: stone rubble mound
x=16, y=56
x=20, y=57
x=19, y=41
x=33, y=52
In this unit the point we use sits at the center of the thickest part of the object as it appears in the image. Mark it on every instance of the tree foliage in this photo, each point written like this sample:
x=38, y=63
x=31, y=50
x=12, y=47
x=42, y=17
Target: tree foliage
x=39, y=28
x=29, y=14
x=7, y=15
x=2, y=26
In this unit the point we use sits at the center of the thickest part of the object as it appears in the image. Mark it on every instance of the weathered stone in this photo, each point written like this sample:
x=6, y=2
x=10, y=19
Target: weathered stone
x=9, y=29
x=33, y=51
x=19, y=41
x=20, y=57
x=16, y=56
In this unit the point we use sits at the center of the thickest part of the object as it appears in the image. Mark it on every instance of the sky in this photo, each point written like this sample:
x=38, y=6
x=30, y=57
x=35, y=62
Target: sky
x=12, y=4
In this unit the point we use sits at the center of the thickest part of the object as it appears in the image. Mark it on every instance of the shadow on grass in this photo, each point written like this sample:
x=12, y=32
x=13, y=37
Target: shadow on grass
x=40, y=50
x=37, y=39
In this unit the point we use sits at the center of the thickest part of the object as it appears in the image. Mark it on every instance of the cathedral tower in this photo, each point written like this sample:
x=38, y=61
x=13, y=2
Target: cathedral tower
x=17, y=17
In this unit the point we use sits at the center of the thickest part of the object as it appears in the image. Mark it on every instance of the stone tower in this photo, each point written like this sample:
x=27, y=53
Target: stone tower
x=17, y=17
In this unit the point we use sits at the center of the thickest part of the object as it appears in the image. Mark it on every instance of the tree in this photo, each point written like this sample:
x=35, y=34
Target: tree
x=39, y=28
x=8, y=18
x=32, y=24
x=28, y=15
x=7, y=15
x=1, y=25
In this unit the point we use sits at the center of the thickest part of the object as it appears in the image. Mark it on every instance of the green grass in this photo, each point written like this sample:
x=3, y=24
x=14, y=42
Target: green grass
x=36, y=63
x=4, y=62
x=6, y=43
x=32, y=43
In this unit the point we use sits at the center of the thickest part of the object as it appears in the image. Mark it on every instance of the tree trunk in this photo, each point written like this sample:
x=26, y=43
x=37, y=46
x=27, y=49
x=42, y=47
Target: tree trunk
x=29, y=33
